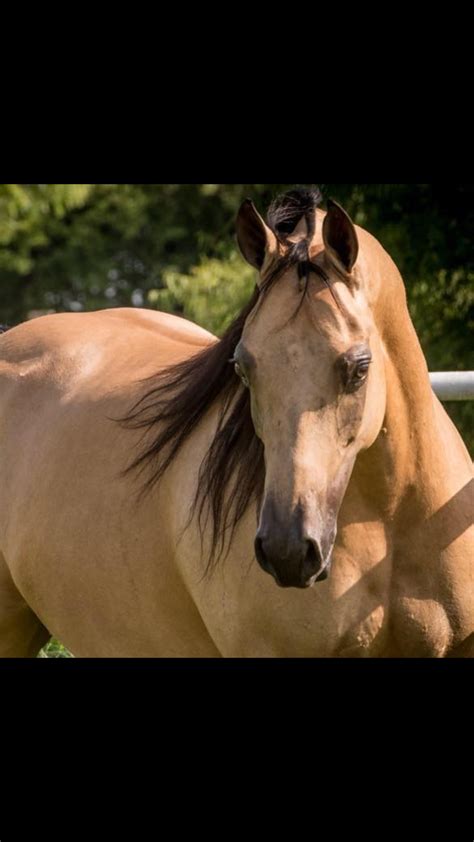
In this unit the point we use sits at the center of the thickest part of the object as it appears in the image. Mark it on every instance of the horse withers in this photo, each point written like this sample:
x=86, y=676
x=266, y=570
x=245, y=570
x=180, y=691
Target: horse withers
x=294, y=489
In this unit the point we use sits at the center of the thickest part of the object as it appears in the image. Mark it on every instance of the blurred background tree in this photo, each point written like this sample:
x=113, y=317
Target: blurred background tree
x=172, y=247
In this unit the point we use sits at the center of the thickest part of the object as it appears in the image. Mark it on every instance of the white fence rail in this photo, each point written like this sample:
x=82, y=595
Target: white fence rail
x=453, y=385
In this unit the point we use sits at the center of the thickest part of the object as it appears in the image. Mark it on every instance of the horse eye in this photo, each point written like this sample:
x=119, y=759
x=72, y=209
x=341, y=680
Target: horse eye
x=362, y=369
x=354, y=371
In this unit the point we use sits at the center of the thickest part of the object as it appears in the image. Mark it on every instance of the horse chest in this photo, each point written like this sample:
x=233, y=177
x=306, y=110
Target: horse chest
x=420, y=628
x=381, y=624
x=423, y=612
x=270, y=622
x=406, y=626
x=366, y=638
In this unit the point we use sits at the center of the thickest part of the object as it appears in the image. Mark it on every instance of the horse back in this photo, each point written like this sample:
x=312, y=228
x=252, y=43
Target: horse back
x=127, y=340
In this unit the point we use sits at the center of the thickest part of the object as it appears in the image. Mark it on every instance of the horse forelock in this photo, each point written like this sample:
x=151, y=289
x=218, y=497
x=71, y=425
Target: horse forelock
x=286, y=211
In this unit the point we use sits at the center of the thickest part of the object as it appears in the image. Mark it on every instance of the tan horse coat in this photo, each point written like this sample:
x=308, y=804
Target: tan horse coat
x=80, y=559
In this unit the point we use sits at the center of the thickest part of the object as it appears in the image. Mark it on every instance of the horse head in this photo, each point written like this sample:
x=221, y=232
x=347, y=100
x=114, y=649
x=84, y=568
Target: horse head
x=313, y=361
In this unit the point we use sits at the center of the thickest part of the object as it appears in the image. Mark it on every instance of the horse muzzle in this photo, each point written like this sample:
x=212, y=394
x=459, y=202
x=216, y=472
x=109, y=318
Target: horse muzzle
x=300, y=565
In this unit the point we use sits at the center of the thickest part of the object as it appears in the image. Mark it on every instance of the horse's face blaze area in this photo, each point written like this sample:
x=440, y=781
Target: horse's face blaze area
x=316, y=378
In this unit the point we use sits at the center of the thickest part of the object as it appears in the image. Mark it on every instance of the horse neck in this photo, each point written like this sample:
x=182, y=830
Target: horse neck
x=398, y=469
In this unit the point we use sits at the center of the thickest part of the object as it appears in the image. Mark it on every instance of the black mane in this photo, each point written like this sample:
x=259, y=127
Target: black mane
x=232, y=473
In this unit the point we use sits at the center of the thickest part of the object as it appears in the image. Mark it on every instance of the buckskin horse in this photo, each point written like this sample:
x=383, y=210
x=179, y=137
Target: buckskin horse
x=294, y=489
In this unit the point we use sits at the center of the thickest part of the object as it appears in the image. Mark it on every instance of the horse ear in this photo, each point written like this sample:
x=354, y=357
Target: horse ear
x=340, y=238
x=254, y=237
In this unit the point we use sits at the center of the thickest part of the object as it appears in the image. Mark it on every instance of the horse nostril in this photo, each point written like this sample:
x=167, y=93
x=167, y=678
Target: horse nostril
x=262, y=559
x=313, y=561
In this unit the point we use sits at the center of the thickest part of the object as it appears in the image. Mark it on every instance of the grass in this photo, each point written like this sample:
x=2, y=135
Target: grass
x=54, y=649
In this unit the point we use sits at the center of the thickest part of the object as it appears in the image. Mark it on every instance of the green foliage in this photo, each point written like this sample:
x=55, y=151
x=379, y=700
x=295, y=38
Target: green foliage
x=172, y=246
x=211, y=295
x=54, y=649
x=28, y=217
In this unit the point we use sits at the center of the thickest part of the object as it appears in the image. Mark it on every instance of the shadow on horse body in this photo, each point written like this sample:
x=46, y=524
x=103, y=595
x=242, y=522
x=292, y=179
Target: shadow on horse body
x=294, y=489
